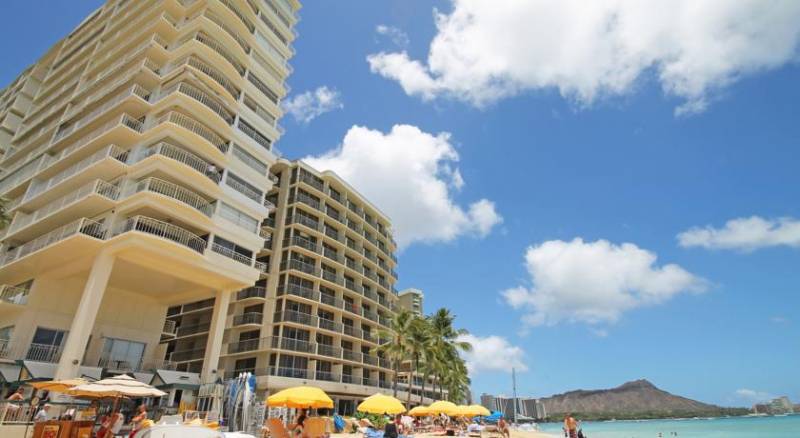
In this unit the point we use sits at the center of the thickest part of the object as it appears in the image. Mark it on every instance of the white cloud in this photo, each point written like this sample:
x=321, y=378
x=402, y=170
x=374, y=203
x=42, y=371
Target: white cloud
x=492, y=353
x=484, y=51
x=307, y=106
x=753, y=396
x=409, y=174
x=745, y=234
x=594, y=282
x=398, y=37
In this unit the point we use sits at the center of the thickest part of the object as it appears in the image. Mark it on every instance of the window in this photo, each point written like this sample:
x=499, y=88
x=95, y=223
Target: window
x=238, y=217
x=46, y=345
x=6, y=332
x=122, y=354
x=245, y=365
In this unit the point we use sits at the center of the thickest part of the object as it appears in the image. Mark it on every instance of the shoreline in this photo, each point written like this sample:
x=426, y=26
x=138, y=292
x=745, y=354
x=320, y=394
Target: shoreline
x=515, y=433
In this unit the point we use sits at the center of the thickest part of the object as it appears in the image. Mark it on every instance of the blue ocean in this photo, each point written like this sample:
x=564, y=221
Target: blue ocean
x=739, y=427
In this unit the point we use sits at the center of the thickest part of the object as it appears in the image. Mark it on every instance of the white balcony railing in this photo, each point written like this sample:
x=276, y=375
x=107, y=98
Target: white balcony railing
x=231, y=254
x=194, y=126
x=83, y=226
x=169, y=327
x=110, y=151
x=171, y=190
x=243, y=189
x=181, y=155
x=200, y=96
x=161, y=229
x=135, y=90
x=14, y=294
x=98, y=187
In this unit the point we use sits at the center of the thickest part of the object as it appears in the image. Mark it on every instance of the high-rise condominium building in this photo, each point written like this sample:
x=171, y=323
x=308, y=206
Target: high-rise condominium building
x=136, y=169
x=411, y=300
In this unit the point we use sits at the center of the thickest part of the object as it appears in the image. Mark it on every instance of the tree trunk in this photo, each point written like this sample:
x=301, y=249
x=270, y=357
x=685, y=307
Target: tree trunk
x=394, y=380
x=422, y=396
x=411, y=382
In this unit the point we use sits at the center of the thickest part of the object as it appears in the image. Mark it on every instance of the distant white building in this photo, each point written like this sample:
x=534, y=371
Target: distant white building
x=527, y=407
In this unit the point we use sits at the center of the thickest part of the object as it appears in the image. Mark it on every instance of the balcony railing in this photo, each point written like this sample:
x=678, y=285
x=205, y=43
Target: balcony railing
x=299, y=266
x=243, y=189
x=136, y=90
x=292, y=345
x=301, y=242
x=99, y=187
x=200, y=96
x=170, y=190
x=14, y=294
x=261, y=266
x=194, y=126
x=169, y=327
x=251, y=132
x=295, y=373
x=119, y=364
x=308, y=200
x=252, y=292
x=209, y=71
x=305, y=220
x=110, y=151
x=187, y=355
x=163, y=230
x=231, y=254
x=298, y=291
x=82, y=226
x=298, y=317
x=248, y=318
x=43, y=353
x=183, y=156
x=194, y=329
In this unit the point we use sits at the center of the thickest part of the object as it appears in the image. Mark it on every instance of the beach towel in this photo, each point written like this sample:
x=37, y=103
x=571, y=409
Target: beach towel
x=338, y=423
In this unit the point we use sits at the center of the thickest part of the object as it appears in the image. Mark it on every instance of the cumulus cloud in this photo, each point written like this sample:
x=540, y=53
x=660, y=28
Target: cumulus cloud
x=745, y=234
x=411, y=175
x=397, y=36
x=484, y=51
x=594, y=282
x=753, y=396
x=492, y=353
x=308, y=106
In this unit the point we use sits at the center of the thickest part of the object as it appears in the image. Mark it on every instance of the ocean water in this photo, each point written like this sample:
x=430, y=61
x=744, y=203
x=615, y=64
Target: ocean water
x=739, y=427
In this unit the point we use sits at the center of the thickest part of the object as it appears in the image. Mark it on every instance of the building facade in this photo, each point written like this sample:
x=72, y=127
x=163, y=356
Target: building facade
x=136, y=168
x=411, y=299
x=527, y=408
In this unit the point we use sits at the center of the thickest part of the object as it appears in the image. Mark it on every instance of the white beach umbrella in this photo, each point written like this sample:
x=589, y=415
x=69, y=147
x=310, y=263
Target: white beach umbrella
x=117, y=386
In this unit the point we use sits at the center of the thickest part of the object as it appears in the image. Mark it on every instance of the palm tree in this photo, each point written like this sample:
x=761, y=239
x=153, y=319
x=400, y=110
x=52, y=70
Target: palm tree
x=419, y=341
x=397, y=339
x=447, y=346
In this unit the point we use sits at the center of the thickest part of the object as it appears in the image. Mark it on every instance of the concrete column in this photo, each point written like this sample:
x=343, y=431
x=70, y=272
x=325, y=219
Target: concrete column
x=85, y=315
x=215, y=333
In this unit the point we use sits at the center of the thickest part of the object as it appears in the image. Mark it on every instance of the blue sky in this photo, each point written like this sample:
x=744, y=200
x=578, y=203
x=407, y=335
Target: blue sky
x=552, y=138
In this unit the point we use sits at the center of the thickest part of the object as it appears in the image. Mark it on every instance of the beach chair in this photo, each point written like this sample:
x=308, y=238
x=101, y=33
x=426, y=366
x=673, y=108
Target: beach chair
x=490, y=432
x=277, y=429
x=315, y=427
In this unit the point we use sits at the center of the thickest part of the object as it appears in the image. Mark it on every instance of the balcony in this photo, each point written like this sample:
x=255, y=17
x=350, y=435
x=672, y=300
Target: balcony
x=174, y=233
x=195, y=127
x=170, y=190
x=298, y=265
x=306, y=221
x=200, y=96
x=301, y=242
x=236, y=11
x=351, y=355
x=308, y=200
x=327, y=376
x=291, y=344
x=109, y=152
x=231, y=254
x=298, y=291
x=43, y=353
x=182, y=156
x=84, y=226
x=296, y=317
x=295, y=373
x=14, y=294
x=246, y=346
x=209, y=71
x=331, y=301
x=327, y=324
x=253, y=292
x=187, y=355
x=194, y=329
x=248, y=192
x=262, y=267
x=170, y=329
x=248, y=318
x=349, y=330
x=312, y=181
x=253, y=133
x=53, y=208
x=118, y=364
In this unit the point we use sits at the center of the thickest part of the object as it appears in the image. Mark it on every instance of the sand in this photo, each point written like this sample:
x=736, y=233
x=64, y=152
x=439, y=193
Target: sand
x=514, y=434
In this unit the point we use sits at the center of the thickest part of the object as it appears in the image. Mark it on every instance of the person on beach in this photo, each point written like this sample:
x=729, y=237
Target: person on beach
x=570, y=426
x=297, y=427
x=43, y=414
x=138, y=420
x=502, y=427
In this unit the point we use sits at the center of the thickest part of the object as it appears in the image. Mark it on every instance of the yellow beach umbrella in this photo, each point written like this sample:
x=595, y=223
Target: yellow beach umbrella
x=381, y=404
x=443, y=407
x=419, y=411
x=472, y=411
x=304, y=397
x=59, y=385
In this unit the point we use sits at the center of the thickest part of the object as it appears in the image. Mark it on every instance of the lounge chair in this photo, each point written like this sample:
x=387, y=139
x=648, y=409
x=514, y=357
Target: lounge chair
x=315, y=427
x=277, y=429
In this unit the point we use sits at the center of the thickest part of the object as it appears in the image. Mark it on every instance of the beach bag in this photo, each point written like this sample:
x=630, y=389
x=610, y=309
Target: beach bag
x=338, y=423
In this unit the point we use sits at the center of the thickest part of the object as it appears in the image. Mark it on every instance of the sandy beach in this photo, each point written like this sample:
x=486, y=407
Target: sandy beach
x=514, y=434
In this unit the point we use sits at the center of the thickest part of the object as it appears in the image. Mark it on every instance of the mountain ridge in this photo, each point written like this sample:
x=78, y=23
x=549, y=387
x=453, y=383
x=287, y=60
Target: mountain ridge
x=626, y=400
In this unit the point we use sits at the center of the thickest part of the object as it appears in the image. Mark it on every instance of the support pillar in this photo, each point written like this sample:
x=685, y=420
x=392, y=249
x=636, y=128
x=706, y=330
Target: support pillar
x=82, y=323
x=215, y=334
